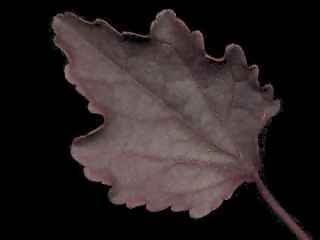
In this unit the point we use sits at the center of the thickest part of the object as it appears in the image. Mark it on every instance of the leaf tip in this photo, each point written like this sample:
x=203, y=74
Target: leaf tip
x=166, y=13
x=198, y=39
x=234, y=54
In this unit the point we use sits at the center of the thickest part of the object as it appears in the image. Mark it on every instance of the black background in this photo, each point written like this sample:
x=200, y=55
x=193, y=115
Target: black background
x=276, y=38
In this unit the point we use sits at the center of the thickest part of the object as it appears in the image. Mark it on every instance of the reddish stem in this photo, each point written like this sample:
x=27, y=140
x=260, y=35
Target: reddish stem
x=276, y=207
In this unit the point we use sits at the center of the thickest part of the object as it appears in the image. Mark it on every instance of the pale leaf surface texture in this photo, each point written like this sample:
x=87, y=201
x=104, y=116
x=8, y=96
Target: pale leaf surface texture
x=181, y=128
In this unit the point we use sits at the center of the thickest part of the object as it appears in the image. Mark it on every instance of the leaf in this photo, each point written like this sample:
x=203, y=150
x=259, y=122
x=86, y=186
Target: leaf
x=181, y=127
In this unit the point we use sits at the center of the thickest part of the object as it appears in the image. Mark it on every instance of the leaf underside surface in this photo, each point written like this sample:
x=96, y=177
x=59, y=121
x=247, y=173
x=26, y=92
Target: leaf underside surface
x=181, y=127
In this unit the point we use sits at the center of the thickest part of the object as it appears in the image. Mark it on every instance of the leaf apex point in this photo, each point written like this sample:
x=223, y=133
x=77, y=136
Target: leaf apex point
x=167, y=12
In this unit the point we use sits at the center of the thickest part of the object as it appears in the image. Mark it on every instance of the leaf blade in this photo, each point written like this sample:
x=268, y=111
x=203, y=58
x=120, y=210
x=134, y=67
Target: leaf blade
x=164, y=100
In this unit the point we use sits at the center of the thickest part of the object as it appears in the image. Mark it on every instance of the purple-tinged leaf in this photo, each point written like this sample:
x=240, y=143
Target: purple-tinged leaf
x=181, y=128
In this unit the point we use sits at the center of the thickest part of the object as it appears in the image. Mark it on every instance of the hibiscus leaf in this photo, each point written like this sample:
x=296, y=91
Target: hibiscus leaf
x=181, y=127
